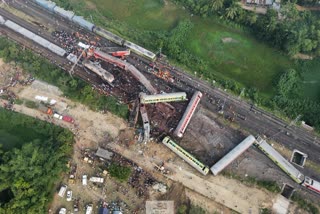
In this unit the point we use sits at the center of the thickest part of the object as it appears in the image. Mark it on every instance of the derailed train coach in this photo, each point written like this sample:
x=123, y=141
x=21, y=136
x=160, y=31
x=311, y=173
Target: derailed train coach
x=140, y=50
x=108, y=35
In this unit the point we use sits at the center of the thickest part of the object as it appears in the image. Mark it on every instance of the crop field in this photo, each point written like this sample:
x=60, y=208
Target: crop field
x=239, y=57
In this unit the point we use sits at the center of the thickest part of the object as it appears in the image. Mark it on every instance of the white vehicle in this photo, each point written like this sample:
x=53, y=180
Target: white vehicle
x=89, y=209
x=69, y=195
x=58, y=116
x=96, y=179
x=63, y=211
x=62, y=190
x=84, y=180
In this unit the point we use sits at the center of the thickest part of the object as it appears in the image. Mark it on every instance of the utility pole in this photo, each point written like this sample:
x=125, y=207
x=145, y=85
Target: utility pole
x=76, y=62
x=222, y=107
x=287, y=126
x=241, y=93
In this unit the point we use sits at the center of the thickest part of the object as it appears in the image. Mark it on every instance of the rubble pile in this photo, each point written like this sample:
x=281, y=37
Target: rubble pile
x=139, y=179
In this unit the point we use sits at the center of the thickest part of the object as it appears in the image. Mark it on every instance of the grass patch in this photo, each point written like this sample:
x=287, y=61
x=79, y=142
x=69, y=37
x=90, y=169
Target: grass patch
x=122, y=173
x=19, y=101
x=142, y=14
x=31, y=104
x=311, y=79
x=271, y=186
x=242, y=58
x=304, y=204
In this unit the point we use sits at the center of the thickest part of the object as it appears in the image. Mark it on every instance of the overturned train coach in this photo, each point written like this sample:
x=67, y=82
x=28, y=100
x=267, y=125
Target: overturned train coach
x=287, y=167
x=70, y=15
x=190, y=159
x=105, y=75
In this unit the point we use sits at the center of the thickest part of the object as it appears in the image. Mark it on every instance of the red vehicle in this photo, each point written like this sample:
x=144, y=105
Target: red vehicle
x=68, y=119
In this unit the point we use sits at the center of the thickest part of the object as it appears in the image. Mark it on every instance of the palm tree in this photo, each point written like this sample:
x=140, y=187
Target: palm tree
x=233, y=11
x=216, y=4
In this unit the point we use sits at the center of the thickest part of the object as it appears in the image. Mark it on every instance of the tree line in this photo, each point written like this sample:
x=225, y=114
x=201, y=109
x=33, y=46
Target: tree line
x=29, y=172
x=290, y=30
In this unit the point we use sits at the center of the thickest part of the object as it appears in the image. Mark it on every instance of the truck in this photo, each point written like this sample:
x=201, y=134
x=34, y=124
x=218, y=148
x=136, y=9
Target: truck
x=62, y=190
x=96, y=180
x=45, y=110
x=68, y=119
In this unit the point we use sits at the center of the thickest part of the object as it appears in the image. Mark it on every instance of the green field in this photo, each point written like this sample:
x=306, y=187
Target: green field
x=17, y=129
x=141, y=14
x=243, y=58
x=311, y=79
x=240, y=58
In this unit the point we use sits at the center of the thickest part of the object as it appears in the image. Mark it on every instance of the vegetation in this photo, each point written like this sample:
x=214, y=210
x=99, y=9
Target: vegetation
x=265, y=211
x=304, y=204
x=272, y=186
x=73, y=88
x=182, y=209
x=295, y=32
x=31, y=162
x=31, y=104
x=19, y=101
x=194, y=209
x=122, y=173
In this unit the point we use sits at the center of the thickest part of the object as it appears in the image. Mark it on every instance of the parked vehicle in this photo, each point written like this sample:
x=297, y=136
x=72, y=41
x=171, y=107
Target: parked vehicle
x=68, y=119
x=69, y=195
x=62, y=190
x=84, y=180
x=63, y=210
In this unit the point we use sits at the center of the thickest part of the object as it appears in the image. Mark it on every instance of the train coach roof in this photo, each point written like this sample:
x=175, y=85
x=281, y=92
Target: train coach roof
x=232, y=155
x=139, y=49
x=2, y=20
x=65, y=13
x=49, y=5
x=163, y=96
x=83, y=23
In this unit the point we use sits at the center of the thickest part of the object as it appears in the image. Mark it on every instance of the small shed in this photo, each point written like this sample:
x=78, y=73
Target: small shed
x=105, y=154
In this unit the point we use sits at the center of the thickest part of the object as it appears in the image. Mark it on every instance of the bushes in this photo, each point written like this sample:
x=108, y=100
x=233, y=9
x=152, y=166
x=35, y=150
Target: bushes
x=122, y=173
x=272, y=186
x=31, y=104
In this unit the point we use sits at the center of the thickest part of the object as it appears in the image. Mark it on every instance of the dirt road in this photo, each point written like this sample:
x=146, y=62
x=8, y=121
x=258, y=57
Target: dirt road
x=92, y=127
x=230, y=193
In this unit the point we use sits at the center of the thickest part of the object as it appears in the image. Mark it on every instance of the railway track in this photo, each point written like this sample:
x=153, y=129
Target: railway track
x=258, y=120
